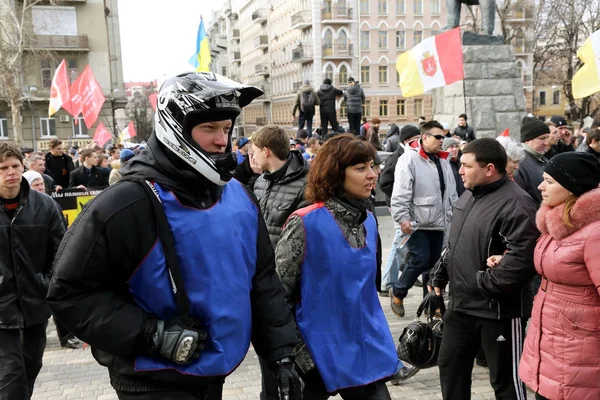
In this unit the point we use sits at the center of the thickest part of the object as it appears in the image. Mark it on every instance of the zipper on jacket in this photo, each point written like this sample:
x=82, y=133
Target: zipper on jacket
x=537, y=372
x=17, y=211
x=358, y=241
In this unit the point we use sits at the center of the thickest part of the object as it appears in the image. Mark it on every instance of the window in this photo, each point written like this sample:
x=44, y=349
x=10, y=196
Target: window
x=329, y=72
x=364, y=40
x=418, y=37
x=418, y=7
x=80, y=128
x=382, y=40
x=556, y=97
x=383, y=108
x=224, y=71
x=342, y=41
x=343, y=74
x=434, y=32
x=400, y=7
x=365, y=74
x=73, y=70
x=328, y=43
x=435, y=7
x=383, y=74
x=47, y=127
x=400, y=39
x=401, y=108
x=418, y=107
x=60, y=21
x=542, y=98
x=47, y=71
x=343, y=110
x=382, y=7
x=366, y=108
x=364, y=6
x=3, y=128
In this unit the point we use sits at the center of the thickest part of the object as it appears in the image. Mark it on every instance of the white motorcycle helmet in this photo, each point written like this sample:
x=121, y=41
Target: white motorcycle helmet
x=191, y=98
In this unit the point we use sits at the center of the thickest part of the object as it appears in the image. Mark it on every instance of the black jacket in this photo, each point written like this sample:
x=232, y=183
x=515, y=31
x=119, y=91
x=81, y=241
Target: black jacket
x=104, y=246
x=327, y=95
x=494, y=219
x=59, y=168
x=49, y=185
x=530, y=175
x=354, y=97
x=281, y=193
x=466, y=133
x=98, y=178
x=455, y=164
x=28, y=244
x=386, y=179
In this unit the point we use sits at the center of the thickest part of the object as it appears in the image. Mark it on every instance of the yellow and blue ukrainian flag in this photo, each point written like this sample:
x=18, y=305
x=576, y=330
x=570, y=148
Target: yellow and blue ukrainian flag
x=201, y=60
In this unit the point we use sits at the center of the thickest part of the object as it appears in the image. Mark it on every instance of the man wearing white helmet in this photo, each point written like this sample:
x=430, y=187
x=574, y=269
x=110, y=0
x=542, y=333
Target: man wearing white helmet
x=177, y=276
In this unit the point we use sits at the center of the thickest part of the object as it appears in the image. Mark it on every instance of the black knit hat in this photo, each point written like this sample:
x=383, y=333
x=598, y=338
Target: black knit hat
x=576, y=171
x=531, y=128
x=408, y=131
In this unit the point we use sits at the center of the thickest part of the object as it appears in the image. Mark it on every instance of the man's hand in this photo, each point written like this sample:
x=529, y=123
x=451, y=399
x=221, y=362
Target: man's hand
x=493, y=261
x=438, y=291
x=81, y=187
x=406, y=227
x=567, y=137
x=57, y=188
x=178, y=341
x=290, y=384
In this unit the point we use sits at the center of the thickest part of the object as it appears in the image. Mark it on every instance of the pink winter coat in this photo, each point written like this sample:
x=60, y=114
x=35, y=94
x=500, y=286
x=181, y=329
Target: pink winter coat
x=561, y=358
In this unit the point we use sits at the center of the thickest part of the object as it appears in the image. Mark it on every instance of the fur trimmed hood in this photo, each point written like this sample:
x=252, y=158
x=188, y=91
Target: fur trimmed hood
x=585, y=211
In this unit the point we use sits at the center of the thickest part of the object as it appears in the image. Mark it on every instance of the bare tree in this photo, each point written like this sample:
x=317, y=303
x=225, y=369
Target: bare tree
x=139, y=111
x=16, y=38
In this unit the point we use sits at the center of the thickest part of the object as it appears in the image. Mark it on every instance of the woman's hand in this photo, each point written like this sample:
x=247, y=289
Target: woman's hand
x=493, y=261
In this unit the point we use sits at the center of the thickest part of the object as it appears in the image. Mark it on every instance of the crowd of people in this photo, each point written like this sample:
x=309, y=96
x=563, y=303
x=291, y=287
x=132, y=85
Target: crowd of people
x=204, y=244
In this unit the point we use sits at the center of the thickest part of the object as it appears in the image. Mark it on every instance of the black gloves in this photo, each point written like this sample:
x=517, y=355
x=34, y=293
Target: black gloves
x=178, y=341
x=290, y=384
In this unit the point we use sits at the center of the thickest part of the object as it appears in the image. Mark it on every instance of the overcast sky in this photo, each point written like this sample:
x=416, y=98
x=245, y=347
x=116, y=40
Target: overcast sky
x=159, y=36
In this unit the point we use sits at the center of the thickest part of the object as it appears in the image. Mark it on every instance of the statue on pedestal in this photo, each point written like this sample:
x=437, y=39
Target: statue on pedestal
x=488, y=13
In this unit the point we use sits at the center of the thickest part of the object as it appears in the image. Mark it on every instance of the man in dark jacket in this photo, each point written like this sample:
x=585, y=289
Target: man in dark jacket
x=31, y=228
x=488, y=302
x=280, y=192
x=534, y=137
x=58, y=164
x=354, y=96
x=88, y=174
x=327, y=96
x=306, y=100
x=453, y=147
x=592, y=143
x=175, y=260
x=37, y=162
x=392, y=138
x=564, y=137
x=463, y=129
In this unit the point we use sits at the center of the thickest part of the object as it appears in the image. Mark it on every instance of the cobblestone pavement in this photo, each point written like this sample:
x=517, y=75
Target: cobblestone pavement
x=74, y=374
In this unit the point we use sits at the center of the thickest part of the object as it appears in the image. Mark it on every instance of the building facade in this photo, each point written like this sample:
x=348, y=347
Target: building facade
x=81, y=32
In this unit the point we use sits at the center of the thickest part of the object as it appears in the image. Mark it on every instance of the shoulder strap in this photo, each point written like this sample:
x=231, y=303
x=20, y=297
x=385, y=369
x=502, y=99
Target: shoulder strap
x=164, y=233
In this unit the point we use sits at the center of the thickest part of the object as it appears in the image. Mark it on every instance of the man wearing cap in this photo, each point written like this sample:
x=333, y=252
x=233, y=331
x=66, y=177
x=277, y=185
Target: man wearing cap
x=306, y=100
x=535, y=135
x=452, y=146
x=564, y=137
x=354, y=96
x=395, y=262
x=242, y=150
x=327, y=96
x=424, y=193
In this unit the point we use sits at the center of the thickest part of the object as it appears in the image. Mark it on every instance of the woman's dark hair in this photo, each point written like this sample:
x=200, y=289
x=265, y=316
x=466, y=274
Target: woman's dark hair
x=327, y=171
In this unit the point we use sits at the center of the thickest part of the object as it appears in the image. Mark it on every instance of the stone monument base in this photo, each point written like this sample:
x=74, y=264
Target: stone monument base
x=491, y=94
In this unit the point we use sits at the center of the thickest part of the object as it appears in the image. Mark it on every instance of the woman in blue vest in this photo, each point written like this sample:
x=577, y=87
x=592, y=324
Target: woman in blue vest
x=326, y=259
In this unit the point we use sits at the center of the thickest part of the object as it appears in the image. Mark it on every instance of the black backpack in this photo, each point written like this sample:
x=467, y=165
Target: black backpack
x=421, y=340
x=307, y=102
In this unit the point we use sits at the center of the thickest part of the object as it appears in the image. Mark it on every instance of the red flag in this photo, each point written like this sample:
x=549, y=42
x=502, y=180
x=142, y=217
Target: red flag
x=506, y=133
x=153, y=99
x=59, y=91
x=86, y=97
x=102, y=135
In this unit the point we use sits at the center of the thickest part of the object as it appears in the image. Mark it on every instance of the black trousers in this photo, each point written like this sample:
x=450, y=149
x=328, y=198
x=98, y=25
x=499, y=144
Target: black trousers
x=326, y=119
x=502, y=343
x=314, y=389
x=354, y=122
x=212, y=392
x=62, y=332
x=270, y=389
x=21, y=353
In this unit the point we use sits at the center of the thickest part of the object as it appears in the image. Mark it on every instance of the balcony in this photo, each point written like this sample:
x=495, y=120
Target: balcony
x=259, y=16
x=297, y=86
x=302, y=20
x=338, y=51
x=261, y=121
x=59, y=42
x=339, y=15
x=261, y=69
x=261, y=42
x=235, y=34
x=302, y=54
x=236, y=56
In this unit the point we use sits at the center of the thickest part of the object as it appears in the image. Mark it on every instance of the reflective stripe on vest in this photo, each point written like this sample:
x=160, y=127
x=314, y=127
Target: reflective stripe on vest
x=339, y=314
x=216, y=248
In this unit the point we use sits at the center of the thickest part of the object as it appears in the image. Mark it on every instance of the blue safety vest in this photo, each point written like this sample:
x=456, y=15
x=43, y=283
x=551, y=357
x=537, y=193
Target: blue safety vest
x=216, y=249
x=339, y=315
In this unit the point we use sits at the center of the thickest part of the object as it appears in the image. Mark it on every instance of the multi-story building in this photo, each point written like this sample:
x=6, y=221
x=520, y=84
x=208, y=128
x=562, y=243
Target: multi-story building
x=143, y=88
x=72, y=32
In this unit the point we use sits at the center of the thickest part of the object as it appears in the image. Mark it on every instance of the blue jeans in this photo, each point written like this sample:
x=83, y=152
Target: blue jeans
x=424, y=250
x=395, y=261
